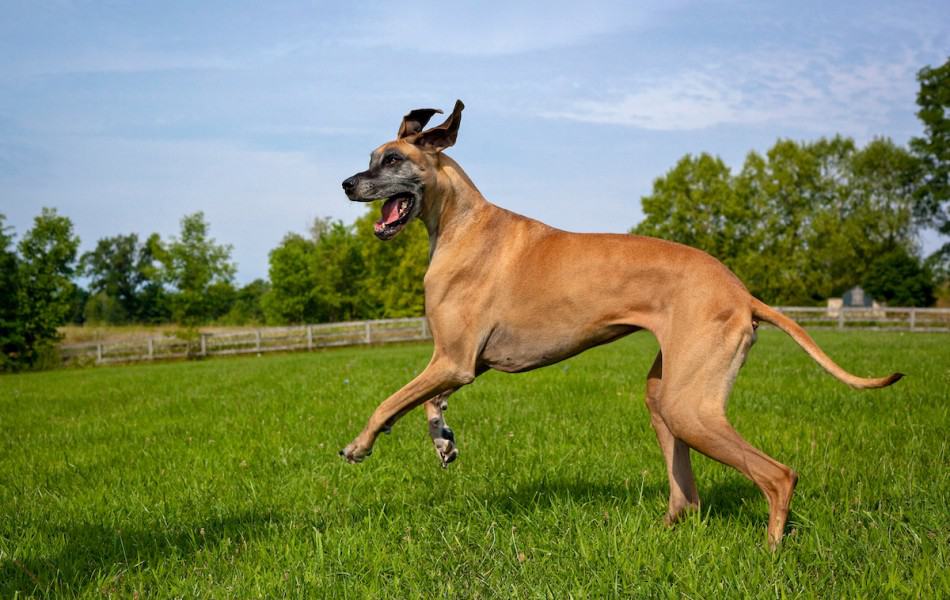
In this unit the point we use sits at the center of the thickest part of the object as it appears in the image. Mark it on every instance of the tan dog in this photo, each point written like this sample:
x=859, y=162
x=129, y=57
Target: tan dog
x=509, y=293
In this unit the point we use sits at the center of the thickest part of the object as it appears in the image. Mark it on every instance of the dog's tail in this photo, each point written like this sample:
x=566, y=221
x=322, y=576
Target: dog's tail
x=768, y=314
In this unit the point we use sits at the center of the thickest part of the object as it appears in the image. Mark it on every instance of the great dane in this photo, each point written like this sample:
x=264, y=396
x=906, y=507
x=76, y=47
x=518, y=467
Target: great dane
x=506, y=292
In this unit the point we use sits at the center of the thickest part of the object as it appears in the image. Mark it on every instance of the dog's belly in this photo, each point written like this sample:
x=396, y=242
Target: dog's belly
x=514, y=350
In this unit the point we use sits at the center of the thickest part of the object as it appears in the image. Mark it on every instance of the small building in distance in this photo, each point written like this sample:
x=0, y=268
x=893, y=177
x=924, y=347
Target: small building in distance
x=854, y=300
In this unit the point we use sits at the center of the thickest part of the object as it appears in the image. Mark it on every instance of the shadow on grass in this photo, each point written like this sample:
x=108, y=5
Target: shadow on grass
x=547, y=493
x=92, y=552
x=733, y=499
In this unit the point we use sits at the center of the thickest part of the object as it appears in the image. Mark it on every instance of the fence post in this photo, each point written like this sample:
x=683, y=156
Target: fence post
x=309, y=337
x=257, y=340
x=913, y=318
x=425, y=328
x=369, y=333
x=99, y=352
x=204, y=344
x=841, y=318
x=151, y=349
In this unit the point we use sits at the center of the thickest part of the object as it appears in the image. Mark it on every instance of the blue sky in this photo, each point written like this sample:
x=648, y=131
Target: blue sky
x=126, y=116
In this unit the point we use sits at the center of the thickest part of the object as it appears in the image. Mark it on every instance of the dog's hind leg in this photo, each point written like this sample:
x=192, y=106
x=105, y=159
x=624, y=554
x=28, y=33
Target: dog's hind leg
x=443, y=438
x=683, y=494
x=696, y=415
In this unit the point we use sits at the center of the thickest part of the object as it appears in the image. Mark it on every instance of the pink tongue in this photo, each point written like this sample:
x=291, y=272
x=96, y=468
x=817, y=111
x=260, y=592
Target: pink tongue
x=390, y=211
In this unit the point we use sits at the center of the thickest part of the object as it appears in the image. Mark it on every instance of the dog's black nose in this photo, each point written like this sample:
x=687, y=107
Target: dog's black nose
x=349, y=183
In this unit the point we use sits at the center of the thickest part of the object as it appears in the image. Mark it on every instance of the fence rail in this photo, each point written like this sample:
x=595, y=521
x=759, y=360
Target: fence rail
x=326, y=335
x=882, y=318
x=249, y=341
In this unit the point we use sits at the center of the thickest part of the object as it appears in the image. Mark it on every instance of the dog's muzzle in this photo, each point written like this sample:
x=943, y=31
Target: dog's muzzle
x=397, y=209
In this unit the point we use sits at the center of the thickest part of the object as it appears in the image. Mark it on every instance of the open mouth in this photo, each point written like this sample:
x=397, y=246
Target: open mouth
x=397, y=210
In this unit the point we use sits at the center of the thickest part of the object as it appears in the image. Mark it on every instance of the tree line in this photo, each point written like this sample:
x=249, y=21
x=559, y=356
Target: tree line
x=808, y=220
x=334, y=272
x=799, y=224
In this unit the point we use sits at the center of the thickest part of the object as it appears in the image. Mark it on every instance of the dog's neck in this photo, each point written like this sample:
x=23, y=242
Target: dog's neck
x=453, y=205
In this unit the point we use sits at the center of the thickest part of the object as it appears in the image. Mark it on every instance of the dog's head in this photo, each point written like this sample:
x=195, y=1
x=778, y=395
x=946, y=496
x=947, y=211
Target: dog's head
x=402, y=170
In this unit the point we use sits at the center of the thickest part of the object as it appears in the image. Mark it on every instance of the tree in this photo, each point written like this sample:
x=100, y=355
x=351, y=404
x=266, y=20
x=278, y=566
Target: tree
x=121, y=268
x=200, y=271
x=289, y=299
x=344, y=272
x=11, y=338
x=697, y=204
x=392, y=272
x=154, y=305
x=317, y=279
x=898, y=278
x=933, y=151
x=797, y=225
x=45, y=288
x=338, y=273
x=247, y=306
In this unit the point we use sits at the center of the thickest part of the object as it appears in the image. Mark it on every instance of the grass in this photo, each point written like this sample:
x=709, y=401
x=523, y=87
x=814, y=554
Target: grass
x=221, y=479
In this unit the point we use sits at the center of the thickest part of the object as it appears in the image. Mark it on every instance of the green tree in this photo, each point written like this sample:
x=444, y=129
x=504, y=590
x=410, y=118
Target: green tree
x=120, y=267
x=11, y=338
x=337, y=272
x=290, y=299
x=393, y=271
x=154, y=305
x=101, y=308
x=698, y=204
x=45, y=288
x=343, y=272
x=199, y=270
x=933, y=151
x=898, y=278
x=797, y=225
x=247, y=306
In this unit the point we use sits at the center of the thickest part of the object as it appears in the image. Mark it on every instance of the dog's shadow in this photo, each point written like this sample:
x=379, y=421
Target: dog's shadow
x=91, y=549
x=732, y=498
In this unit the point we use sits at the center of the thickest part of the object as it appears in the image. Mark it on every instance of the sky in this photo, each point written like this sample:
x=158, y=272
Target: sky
x=126, y=116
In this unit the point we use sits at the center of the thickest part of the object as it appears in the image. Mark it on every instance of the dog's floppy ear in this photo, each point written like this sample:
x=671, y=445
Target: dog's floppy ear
x=413, y=122
x=441, y=136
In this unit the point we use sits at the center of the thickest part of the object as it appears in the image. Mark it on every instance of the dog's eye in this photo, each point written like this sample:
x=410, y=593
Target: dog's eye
x=391, y=159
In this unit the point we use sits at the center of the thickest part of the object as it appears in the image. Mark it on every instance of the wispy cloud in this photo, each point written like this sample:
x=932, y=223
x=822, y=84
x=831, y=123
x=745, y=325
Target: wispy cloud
x=815, y=90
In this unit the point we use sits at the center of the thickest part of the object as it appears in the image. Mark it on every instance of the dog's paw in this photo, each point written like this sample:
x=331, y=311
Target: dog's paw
x=355, y=453
x=446, y=451
x=444, y=440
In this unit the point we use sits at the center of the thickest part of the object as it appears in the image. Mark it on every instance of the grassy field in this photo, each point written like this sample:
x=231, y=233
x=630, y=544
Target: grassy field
x=221, y=479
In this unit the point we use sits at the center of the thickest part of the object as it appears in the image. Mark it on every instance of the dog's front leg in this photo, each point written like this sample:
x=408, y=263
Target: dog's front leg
x=440, y=376
x=442, y=436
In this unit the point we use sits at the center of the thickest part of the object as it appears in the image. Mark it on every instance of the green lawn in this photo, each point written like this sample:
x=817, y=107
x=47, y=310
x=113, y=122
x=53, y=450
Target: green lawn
x=221, y=479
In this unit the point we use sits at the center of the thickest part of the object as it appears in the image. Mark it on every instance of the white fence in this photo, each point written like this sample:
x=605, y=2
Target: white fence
x=309, y=337
x=877, y=318
x=248, y=341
